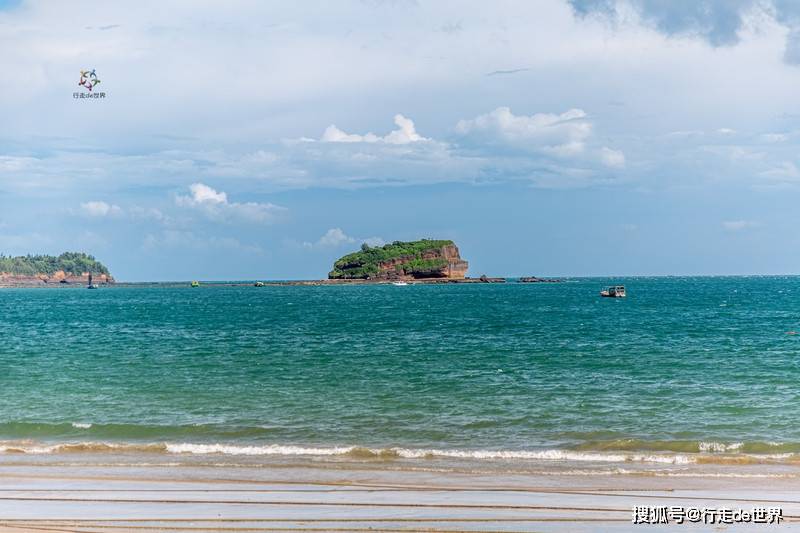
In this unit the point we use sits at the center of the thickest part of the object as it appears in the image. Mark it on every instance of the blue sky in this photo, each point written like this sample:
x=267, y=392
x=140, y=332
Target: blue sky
x=266, y=139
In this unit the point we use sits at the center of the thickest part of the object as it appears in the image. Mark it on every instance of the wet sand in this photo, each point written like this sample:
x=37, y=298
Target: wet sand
x=197, y=498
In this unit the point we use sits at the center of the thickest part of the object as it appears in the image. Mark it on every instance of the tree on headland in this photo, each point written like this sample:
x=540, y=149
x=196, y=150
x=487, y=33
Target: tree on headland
x=75, y=263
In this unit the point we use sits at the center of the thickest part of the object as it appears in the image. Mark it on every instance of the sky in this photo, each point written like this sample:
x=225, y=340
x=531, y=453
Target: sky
x=263, y=140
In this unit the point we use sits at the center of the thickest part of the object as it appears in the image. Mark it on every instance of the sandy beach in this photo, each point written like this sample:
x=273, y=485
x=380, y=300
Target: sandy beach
x=84, y=498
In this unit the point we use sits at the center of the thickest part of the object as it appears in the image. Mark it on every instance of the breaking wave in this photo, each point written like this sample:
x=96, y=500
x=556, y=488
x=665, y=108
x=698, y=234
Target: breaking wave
x=627, y=451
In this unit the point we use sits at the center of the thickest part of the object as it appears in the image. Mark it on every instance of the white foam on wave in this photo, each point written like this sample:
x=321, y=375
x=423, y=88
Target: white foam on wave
x=81, y=425
x=356, y=452
x=272, y=449
x=548, y=455
x=720, y=447
x=422, y=453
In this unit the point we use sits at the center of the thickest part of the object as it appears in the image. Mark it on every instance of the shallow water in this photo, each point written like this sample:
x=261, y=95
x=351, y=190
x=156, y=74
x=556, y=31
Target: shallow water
x=684, y=370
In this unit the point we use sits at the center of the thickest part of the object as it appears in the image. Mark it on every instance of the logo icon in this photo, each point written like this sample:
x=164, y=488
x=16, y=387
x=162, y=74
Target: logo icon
x=89, y=79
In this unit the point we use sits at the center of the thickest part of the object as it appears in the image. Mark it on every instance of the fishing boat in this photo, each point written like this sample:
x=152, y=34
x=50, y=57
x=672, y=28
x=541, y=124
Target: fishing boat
x=195, y=284
x=91, y=285
x=258, y=284
x=399, y=283
x=617, y=291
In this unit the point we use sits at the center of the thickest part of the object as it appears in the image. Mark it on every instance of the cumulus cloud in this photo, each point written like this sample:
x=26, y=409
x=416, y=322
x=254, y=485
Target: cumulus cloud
x=404, y=134
x=547, y=149
x=334, y=237
x=738, y=225
x=101, y=209
x=557, y=134
x=202, y=195
x=337, y=237
x=216, y=206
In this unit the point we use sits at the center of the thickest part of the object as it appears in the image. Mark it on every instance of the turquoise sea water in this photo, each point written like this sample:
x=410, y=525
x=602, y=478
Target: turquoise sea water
x=683, y=368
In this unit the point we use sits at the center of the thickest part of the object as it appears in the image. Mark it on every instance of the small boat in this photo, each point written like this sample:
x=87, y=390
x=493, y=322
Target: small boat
x=195, y=284
x=399, y=283
x=91, y=285
x=617, y=291
x=258, y=284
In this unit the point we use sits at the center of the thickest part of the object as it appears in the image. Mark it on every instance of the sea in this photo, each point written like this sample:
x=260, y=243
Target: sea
x=685, y=376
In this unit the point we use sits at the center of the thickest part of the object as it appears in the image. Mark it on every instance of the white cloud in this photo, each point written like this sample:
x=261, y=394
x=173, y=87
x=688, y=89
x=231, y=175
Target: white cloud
x=612, y=158
x=406, y=133
x=551, y=150
x=216, y=206
x=726, y=131
x=738, y=225
x=332, y=134
x=101, y=209
x=336, y=237
x=562, y=135
x=202, y=195
x=785, y=171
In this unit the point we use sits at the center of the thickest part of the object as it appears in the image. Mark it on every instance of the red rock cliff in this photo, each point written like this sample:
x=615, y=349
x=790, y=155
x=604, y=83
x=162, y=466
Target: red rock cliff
x=60, y=277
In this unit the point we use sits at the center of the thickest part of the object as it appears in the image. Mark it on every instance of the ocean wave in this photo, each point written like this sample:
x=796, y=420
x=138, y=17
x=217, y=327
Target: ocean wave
x=359, y=452
x=80, y=447
x=707, y=452
x=689, y=446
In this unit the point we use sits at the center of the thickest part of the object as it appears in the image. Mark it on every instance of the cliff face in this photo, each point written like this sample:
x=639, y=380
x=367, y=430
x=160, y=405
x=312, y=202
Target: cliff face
x=403, y=260
x=444, y=262
x=57, y=278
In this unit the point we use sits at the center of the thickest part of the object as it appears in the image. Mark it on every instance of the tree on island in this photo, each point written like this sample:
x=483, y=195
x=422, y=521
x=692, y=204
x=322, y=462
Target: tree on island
x=71, y=263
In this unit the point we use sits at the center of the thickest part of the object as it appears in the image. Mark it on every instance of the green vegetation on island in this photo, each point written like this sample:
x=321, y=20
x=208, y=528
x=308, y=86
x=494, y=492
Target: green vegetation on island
x=367, y=262
x=74, y=263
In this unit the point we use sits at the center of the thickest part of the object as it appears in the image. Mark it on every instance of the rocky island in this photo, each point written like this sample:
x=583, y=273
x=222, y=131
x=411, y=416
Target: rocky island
x=43, y=270
x=423, y=259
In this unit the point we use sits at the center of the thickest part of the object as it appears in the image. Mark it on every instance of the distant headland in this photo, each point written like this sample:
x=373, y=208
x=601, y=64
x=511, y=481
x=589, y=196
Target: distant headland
x=42, y=270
